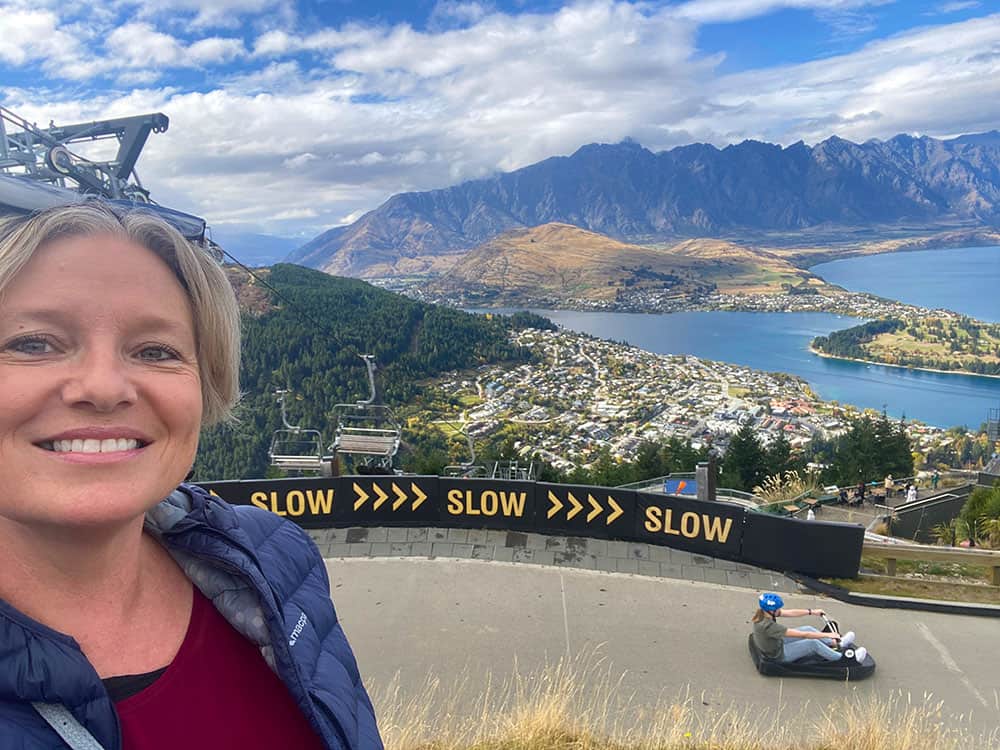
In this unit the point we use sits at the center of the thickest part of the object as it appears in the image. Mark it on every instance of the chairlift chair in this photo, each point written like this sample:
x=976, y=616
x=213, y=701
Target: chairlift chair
x=367, y=432
x=296, y=448
x=513, y=471
x=470, y=470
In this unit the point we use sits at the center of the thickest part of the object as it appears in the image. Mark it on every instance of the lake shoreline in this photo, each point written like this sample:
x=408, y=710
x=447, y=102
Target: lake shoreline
x=826, y=355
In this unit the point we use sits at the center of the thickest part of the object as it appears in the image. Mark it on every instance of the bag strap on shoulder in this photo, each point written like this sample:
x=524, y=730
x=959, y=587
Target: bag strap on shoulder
x=72, y=732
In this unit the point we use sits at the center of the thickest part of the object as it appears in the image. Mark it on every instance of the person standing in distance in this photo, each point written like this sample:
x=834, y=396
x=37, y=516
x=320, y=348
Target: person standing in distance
x=138, y=612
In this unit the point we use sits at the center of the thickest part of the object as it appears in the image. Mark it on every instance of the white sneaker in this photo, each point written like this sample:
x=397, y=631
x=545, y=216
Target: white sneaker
x=860, y=653
x=847, y=639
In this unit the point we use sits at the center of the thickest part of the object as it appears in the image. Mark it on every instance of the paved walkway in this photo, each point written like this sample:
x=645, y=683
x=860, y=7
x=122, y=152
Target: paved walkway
x=538, y=549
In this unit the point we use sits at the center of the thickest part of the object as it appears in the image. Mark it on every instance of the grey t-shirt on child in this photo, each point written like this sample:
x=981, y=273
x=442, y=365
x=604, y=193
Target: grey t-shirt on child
x=769, y=635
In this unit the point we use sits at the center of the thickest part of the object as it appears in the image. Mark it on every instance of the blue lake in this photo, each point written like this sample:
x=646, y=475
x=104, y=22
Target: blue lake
x=966, y=280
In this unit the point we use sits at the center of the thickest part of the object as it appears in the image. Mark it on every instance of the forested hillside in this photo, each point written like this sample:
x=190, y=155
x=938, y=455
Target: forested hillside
x=310, y=345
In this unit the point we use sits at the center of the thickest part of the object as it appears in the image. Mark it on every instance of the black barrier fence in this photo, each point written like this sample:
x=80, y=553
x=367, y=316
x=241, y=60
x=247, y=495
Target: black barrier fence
x=714, y=529
x=916, y=521
x=829, y=550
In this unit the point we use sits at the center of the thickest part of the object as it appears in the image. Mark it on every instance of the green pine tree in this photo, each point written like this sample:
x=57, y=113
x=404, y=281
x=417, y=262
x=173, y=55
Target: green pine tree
x=745, y=462
x=778, y=458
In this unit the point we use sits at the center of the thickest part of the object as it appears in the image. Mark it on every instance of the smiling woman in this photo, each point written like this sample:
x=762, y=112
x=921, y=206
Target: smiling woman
x=118, y=342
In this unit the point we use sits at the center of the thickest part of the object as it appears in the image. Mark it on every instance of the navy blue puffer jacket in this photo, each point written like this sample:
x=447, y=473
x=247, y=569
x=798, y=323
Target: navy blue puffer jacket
x=263, y=574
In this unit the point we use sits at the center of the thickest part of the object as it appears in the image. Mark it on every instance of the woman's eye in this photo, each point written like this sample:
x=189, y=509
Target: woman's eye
x=158, y=354
x=31, y=345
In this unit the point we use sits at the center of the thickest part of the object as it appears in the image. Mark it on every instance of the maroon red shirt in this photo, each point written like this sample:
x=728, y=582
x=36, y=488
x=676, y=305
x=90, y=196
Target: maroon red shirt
x=217, y=693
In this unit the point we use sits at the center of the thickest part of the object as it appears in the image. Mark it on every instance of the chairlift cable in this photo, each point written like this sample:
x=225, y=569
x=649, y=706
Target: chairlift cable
x=320, y=328
x=364, y=428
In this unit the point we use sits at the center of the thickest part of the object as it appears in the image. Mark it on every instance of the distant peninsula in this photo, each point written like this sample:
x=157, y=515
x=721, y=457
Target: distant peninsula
x=954, y=344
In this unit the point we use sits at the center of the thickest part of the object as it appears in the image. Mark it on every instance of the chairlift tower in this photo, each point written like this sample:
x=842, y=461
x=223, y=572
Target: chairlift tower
x=993, y=426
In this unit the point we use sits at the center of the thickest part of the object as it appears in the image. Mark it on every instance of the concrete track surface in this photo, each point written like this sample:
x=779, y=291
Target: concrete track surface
x=662, y=638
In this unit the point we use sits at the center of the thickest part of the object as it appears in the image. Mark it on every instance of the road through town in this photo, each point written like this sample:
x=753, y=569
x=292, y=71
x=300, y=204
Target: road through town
x=660, y=639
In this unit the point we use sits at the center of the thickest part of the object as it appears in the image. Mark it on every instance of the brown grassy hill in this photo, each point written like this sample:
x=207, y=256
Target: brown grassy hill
x=565, y=262
x=740, y=269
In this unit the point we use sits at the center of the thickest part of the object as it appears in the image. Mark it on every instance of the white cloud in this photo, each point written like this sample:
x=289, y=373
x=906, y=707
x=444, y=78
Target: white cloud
x=278, y=42
x=725, y=11
x=351, y=217
x=140, y=46
x=34, y=36
x=295, y=213
x=299, y=161
x=327, y=123
x=938, y=80
x=457, y=11
x=275, y=42
x=217, y=13
x=957, y=5
x=215, y=50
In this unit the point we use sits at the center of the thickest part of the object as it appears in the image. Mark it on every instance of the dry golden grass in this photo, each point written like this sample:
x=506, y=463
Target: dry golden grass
x=786, y=486
x=580, y=705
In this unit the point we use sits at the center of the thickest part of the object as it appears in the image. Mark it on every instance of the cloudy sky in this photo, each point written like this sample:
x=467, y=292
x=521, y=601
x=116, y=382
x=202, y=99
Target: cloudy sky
x=291, y=117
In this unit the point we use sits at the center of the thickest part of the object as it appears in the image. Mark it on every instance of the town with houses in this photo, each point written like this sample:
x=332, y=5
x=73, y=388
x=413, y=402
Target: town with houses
x=837, y=301
x=585, y=394
x=853, y=304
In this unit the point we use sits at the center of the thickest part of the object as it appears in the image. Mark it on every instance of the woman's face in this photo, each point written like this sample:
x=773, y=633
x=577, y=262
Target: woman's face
x=100, y=393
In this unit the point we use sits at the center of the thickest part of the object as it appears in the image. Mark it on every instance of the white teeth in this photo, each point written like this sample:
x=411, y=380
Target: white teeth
x=111, y=445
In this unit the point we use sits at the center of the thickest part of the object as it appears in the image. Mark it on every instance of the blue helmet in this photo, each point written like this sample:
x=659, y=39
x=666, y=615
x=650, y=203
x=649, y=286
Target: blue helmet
x=770, y=602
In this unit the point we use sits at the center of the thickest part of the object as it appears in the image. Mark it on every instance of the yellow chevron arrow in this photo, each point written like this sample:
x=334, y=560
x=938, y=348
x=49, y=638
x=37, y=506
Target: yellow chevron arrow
x=596, y=508
x=577, y=507
x=362, y=496
x=618, y=510
x=556, y=505
x=420, y=496
x=382, y=496
x=400, y=497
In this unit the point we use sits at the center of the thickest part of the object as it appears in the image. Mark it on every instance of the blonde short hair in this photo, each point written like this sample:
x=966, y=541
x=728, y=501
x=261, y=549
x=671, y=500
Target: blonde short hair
x=213, y=303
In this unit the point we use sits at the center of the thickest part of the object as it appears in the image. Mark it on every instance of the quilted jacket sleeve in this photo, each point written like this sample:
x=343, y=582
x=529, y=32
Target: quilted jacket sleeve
x=297, y=574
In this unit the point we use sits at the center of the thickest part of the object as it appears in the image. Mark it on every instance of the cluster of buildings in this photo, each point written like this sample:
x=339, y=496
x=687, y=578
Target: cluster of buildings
x=830, y=300
x=585, y=394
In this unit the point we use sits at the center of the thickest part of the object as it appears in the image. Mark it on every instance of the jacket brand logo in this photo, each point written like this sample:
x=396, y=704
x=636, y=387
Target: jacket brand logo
x=297, y=630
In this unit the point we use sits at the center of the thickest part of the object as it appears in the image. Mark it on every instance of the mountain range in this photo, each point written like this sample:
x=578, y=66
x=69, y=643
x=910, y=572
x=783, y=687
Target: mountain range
x=631, y=194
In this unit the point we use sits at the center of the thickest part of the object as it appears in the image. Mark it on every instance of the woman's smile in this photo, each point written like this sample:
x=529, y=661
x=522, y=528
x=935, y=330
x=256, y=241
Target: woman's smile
x=103, y=443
